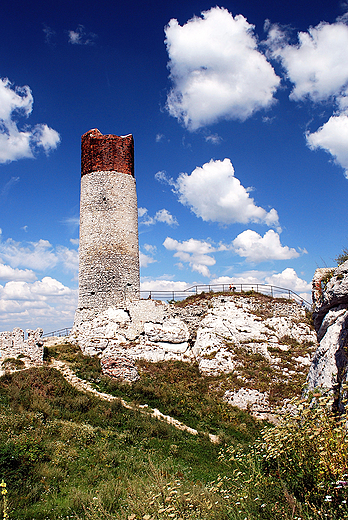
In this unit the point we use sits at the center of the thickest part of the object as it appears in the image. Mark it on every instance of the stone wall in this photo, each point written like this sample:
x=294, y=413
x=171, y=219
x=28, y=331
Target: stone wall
x=13, y=346
x=109, y=250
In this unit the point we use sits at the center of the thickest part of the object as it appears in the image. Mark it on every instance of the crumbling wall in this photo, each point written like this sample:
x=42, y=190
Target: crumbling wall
x=14, y=346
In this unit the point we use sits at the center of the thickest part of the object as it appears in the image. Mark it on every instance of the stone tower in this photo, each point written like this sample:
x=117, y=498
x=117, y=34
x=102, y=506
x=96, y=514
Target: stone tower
x=109, y=251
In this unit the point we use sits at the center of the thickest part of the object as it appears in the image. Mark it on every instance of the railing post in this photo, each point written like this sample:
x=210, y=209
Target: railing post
x=272, y=291
x=173, y=297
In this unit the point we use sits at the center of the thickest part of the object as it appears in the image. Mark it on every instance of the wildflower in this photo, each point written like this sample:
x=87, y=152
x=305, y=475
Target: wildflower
x=328, y=498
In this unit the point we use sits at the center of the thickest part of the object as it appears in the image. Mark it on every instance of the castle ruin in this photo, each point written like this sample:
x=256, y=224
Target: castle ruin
x=109, y=250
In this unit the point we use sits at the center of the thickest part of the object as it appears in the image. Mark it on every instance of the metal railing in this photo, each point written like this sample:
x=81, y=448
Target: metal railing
x=171, y=296
x=267, y=289
x=58, y=333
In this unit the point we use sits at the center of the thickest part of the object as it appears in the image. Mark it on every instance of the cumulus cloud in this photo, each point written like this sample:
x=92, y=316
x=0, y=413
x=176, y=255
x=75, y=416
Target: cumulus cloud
x=81, y=37
x=256, y=248
x=9, y=273
x=333, y=138
x=317, y=66
x=45, y=303
x=196, y=253
x=213, y=193
x=145, y=260
x=15, y=143
x=216, y=69
x=39, y=256
x=289, y=280
x=163, y=215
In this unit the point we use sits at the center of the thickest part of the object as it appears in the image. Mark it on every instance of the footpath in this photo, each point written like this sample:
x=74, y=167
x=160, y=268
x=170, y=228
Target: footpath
x=85, y=386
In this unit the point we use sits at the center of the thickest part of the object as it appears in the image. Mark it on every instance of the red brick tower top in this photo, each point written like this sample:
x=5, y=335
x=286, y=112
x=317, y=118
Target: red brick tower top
x=106, y=153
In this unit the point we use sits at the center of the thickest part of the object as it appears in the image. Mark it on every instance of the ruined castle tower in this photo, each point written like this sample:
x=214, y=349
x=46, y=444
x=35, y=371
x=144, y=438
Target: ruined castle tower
x=109, y=252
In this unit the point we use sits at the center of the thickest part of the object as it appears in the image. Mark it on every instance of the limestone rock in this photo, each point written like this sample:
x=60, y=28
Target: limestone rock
x=328, y=370
x=119, y=368
x=248, y=399
x=229, y=334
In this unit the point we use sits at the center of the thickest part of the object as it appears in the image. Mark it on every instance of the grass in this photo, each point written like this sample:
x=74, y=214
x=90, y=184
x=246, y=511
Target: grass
x=66, y=454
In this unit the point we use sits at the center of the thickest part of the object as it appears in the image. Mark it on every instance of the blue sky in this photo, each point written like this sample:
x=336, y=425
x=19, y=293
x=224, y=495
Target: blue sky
x=239, y=113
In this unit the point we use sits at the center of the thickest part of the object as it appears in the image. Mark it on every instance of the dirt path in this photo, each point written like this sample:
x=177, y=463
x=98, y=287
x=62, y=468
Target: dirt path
x=84, y=386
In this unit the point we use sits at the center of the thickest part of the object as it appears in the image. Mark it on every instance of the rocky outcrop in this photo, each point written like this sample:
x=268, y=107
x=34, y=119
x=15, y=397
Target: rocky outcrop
x=18, y=353
x=261, y=344
x=329, y=367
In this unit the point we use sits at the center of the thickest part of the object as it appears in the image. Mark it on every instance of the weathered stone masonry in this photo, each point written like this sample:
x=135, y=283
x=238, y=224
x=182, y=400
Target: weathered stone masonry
x=109, y=251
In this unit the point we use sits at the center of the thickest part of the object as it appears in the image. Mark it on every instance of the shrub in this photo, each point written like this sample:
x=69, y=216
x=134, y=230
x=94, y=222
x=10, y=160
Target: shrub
x=308, y=451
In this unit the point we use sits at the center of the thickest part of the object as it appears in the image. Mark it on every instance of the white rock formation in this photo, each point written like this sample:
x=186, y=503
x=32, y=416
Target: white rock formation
x=229, y=334
x=329, y=367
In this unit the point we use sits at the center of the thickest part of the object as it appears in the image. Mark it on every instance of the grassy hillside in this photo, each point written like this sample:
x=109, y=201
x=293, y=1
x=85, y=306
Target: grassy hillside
x=67, y=454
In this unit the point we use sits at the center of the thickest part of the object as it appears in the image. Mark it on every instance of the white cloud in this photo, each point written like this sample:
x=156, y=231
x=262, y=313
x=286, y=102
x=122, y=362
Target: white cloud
x=8, y=273
x=195, y=252
x=69, y=258
x=162, y=176
x=163, y=215
x=333, y=138
x=145, y=260
x=213, y=139
x=40, y=255
x=159, y=138
x=36, y=255
x=216, y=69
x=80, y=37
x=214, y=193
x=14, y=143
x=162, y=285
x=256, y=248
x=43, y=135
x=45, y=303
x=317, y=65
x=289, y=280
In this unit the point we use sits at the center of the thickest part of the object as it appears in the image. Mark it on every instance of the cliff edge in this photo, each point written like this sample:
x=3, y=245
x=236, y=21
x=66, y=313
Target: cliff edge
x=328, y=369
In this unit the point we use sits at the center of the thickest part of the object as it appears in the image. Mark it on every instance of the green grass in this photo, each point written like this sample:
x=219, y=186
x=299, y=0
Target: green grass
x=66, y=454
x=60, y=448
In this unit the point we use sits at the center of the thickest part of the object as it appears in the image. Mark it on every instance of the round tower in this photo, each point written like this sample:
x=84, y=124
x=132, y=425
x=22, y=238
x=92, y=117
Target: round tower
x=109, y=250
